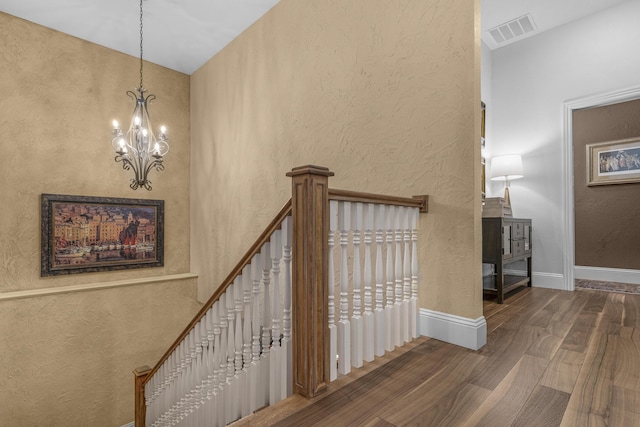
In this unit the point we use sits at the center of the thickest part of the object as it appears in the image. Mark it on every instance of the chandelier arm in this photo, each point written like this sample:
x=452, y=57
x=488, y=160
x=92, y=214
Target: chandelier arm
x=157, y=164
x=149, y=98
x=126, y=163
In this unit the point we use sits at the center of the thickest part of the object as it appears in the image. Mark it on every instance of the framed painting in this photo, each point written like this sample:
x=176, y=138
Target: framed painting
x=613, y=162
x=82, y=234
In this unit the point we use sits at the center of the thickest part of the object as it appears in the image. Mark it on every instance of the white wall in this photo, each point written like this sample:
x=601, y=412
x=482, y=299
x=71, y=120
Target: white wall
x=531, y=81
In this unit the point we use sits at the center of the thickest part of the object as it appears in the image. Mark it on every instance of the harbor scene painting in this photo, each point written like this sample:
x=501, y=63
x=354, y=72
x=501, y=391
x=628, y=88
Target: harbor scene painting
x=83, y=234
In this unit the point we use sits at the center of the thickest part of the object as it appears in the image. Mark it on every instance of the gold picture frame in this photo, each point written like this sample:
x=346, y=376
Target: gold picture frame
x=613, y=162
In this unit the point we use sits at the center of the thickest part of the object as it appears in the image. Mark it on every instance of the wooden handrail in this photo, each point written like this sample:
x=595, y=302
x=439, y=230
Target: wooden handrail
x=237, y=270
x=421, y=201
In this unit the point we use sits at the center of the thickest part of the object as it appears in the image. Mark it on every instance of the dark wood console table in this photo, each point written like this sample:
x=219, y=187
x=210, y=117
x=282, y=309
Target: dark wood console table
x=505, y=241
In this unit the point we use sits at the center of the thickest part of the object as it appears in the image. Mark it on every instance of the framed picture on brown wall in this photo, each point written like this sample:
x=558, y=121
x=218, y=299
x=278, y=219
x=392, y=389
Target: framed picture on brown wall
x=613, y=162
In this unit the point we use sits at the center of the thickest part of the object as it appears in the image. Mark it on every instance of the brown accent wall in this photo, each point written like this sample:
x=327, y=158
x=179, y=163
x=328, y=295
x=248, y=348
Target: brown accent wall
x=66, y=359
x=607, y=226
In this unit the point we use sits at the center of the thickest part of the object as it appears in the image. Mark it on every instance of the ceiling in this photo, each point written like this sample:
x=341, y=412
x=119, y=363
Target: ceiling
x=184, y=34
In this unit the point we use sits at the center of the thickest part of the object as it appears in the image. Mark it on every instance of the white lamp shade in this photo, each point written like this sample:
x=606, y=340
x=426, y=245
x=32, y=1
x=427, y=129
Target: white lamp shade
x=506, y=167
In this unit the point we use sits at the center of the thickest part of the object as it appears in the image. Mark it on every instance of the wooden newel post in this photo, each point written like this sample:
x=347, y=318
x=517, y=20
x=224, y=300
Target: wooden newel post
x=310, y=329
x=141, y=409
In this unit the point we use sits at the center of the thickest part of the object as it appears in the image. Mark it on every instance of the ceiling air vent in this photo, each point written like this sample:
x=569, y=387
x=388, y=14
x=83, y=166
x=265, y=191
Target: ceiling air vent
x=513, y=30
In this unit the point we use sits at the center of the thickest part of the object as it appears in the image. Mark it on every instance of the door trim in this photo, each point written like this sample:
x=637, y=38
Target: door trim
x=599, y=100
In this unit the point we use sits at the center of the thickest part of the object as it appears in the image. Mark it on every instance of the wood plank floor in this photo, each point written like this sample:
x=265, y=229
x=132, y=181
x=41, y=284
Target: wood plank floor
x=553, y=358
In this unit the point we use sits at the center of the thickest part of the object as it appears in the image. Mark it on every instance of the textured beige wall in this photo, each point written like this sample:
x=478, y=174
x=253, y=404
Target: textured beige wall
x=66, y=360
x=384, y=93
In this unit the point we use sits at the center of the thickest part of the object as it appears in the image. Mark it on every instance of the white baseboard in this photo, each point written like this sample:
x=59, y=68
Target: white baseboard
x=544, y=280
x=453, y=329
x=550, y=281
x=619, y=275
x=131, y=424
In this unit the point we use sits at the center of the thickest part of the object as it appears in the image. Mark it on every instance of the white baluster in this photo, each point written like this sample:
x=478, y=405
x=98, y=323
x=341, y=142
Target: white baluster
x=357, y=322
x=168, y=395
x=255, y=383
x=205, y=400
x=222, y=379
x=333, y=329
x=218, y=406
x=196, y=374
x=389, y=308
x=287, y=378
x=191, y=383
x=162, y=402
x=202, y=371
x=149, y=389
x=406, y=292
x=185, y=374
x=239, y=373
x=233, y=408
x=275, y=365
x=148, y=400
x=344, y=327
x=415, y=212
x=198, y=370
x=184, y=379
x=176, y=386
x=174, y=412
x=246, y=338
x=266, y=322
x=171, y=387
x=211, y=367
x=369, y=324
x=398, y=278
x=379, y=309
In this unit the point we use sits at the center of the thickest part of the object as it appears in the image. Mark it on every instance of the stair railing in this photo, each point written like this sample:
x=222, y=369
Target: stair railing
x=376, y=294
x=258, y=340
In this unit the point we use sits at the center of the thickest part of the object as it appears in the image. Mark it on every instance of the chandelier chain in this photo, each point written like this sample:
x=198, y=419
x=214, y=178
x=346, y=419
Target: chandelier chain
x=140, y=44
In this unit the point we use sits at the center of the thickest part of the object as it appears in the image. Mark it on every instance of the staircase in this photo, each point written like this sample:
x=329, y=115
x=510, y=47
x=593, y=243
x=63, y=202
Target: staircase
x=289, y=319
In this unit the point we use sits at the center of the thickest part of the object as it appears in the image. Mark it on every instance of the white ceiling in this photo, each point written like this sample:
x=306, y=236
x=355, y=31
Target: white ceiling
x=178, y=34
x=184, y=34
x=546, y=14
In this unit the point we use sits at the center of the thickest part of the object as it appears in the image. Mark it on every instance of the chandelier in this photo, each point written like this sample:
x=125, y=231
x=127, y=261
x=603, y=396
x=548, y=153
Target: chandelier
x=139, y=149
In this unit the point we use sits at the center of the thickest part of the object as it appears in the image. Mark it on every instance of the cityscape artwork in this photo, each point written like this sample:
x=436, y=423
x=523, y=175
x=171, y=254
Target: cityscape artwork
x=82, y=234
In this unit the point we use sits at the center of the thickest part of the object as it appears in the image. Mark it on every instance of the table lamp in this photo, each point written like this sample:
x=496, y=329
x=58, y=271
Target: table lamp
x=506, y=168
